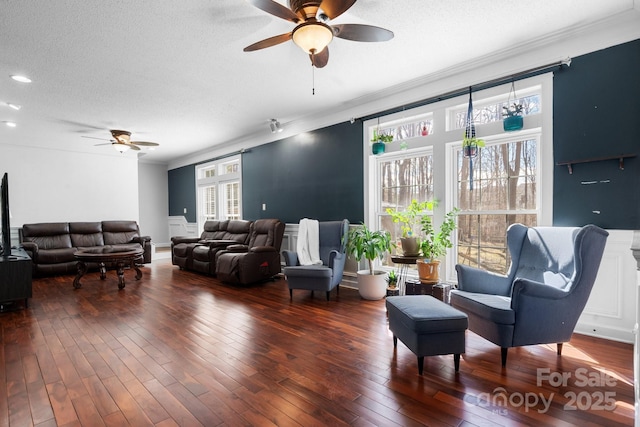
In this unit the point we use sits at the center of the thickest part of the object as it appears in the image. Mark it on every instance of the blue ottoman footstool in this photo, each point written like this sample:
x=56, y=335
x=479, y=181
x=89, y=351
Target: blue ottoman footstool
x=427, y=326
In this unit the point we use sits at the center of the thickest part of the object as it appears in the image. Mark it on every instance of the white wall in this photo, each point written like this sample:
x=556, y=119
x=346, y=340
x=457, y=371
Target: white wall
x=58, y=186
x=153, y=196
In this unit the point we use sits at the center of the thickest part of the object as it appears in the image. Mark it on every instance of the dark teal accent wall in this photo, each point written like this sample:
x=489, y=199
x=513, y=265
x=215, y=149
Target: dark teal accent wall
x=182, y=192
x=596, y=113
x=315, y=175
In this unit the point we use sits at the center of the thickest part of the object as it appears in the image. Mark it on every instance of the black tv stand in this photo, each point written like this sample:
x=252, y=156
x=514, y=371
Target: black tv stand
x=15, y=279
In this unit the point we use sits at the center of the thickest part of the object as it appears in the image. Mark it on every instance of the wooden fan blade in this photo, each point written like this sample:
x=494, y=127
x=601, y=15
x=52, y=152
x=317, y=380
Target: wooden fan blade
x=104, y=143
x=131, y=146
x=335, y=8
x=319, y=60
x=271, y=41
x=362, y=33
x=276, y=9
x=145, y=144
x=93, y=137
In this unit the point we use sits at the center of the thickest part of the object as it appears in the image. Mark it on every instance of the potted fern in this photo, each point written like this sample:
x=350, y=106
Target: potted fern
x=364, y=243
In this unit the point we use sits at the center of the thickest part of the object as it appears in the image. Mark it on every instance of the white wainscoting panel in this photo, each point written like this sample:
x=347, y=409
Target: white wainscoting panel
x=178, y=226
x=611, y=309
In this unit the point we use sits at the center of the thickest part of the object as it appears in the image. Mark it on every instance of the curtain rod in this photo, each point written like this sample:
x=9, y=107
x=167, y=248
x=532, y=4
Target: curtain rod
x=224, y=156
x=474, y=88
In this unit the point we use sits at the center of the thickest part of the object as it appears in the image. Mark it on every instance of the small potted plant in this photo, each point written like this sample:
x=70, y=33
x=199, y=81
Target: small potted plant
x=379, y=140
x=392, y=283
x=409, y=220
x=512, y=117
x=434, y=245
x=364, y=243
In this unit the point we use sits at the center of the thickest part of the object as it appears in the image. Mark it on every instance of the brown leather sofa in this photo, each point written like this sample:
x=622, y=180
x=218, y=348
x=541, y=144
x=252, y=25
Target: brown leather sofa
x=51, y=245
x=199, y=253
x=256, y=261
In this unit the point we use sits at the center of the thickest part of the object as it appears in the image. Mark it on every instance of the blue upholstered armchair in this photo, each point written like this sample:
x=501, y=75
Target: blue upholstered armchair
x=544, y=292
x=325, y=277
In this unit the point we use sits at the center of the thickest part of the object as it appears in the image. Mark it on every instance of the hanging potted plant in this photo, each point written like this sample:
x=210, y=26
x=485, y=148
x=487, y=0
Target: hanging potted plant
x=434, y=245
x=512, y=117
x=512, y=112
x=364, y=243
x=379, y=140
x=409, y=220
x=470, y=142
x=470, y=146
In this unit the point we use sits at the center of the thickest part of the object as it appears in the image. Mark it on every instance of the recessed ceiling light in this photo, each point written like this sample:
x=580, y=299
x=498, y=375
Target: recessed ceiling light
x=14, y=106
x=21, y=79
x=10, y=124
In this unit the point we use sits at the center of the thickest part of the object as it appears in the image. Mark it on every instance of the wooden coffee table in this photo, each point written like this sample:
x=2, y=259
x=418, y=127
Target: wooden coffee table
x=121, y=258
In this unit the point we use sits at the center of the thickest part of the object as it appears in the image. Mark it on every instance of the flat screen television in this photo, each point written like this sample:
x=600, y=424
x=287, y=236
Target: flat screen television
x=4, y=213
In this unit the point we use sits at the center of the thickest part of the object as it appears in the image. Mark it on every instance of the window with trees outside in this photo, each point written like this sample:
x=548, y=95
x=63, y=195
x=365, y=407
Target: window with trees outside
x=218, y=189
x=509, y=183
x=504, y=192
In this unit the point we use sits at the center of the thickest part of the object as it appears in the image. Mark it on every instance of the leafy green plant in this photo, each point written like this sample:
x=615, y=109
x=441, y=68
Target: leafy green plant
x=368, y=244
x=392, y=279
x=410, y=217
x=471, y=141
x=512, y=110
x=381, y=137
x=435, y=245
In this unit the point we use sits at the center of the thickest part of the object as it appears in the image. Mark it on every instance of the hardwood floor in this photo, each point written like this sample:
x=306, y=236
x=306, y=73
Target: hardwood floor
x=178, y=348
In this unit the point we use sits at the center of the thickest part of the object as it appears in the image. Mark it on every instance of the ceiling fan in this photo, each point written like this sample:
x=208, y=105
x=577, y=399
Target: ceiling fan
x=312, y=33
x=122, y=141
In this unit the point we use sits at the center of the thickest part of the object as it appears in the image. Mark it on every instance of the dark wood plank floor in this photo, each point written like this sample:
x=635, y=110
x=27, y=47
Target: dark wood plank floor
x=178, y=348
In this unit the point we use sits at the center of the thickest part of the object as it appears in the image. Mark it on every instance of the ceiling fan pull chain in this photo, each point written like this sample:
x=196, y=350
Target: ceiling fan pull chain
x=313, y=79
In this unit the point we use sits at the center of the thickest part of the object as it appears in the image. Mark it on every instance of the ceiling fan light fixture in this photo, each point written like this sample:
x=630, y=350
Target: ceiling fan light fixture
x=312, y=37
x=120, y=148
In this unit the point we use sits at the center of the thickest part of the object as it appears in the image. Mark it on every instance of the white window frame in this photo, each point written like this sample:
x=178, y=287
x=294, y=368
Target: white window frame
x=219, y=181
x=443, y=144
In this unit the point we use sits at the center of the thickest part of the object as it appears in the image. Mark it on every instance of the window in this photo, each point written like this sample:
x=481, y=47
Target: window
x=402, y=179
x=509, y=179
x=504, y=192
x=218, y=189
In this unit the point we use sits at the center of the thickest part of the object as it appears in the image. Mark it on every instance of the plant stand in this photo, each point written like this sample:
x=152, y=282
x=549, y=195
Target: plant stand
x=392, y=292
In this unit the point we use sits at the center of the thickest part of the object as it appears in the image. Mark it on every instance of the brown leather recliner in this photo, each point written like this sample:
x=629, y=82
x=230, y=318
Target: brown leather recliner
x=257, y=261
x=205, y=252
x=216, y=235
x=182, y=246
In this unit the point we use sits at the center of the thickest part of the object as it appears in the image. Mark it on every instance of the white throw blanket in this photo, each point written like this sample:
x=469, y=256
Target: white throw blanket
x=308, y=245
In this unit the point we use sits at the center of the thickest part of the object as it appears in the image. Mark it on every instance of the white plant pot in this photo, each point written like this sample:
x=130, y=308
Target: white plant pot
x=372, y=287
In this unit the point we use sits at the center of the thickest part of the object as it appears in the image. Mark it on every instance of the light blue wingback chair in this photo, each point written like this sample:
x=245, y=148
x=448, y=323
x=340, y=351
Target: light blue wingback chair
x=325, y=277
x=544, y=292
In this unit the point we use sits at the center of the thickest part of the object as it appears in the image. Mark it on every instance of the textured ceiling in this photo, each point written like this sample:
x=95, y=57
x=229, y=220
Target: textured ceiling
x=174, y=72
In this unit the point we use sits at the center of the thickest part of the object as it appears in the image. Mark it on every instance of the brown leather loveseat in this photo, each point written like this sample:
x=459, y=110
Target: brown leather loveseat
x=235, y=251
x=52, y=245
x=199, y=253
